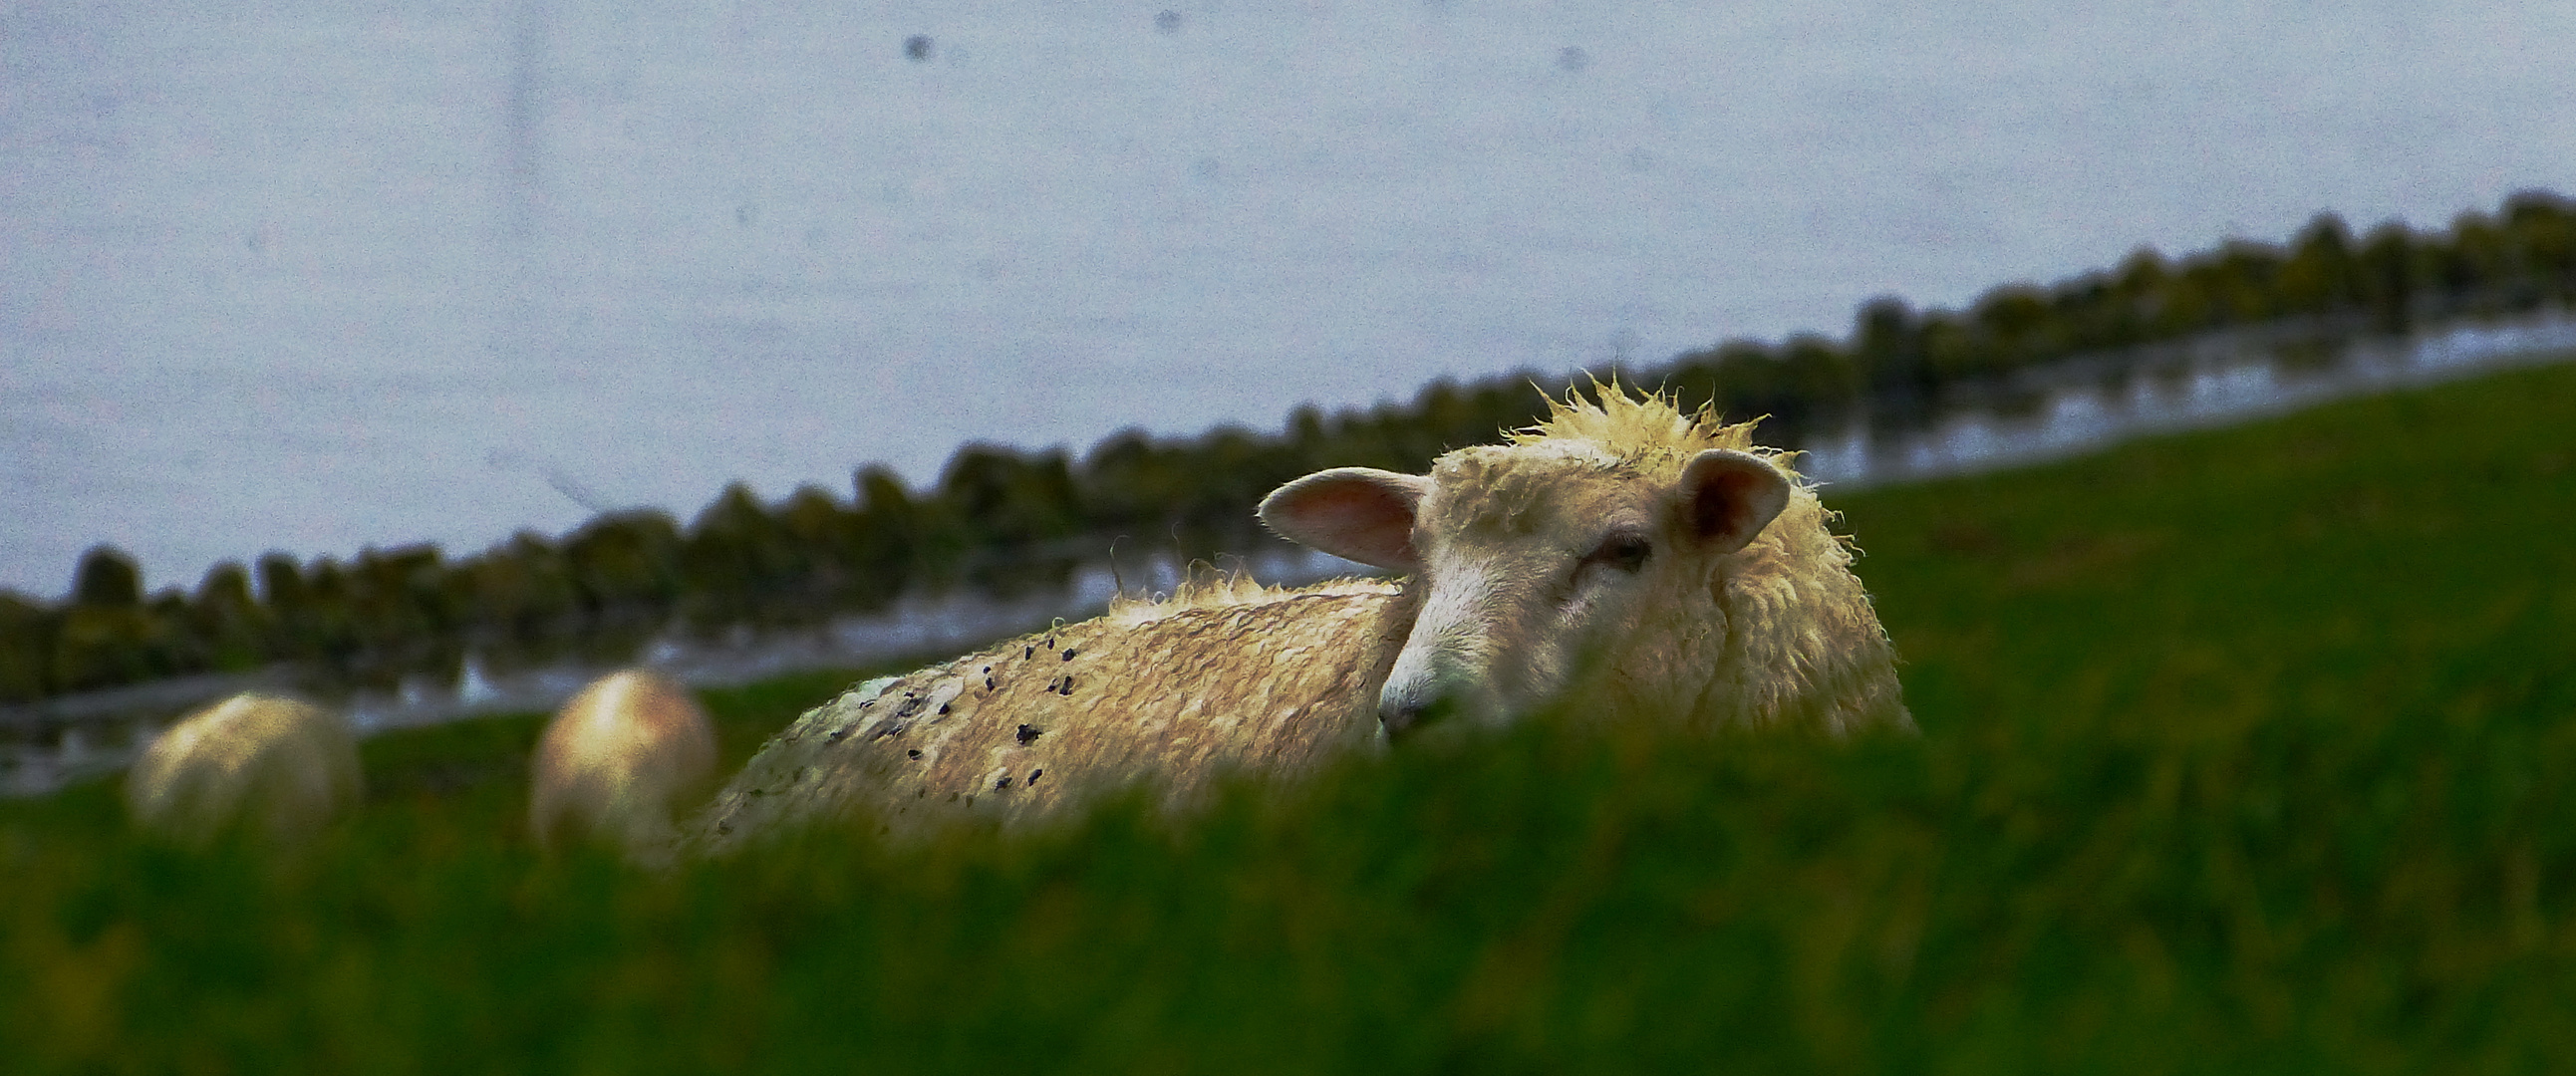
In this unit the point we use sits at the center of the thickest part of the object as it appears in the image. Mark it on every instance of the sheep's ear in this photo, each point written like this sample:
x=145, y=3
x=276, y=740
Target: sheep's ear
x=1355, y=513
x=1726, y=498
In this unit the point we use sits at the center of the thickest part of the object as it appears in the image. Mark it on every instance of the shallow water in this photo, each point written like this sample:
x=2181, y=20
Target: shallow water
x=314, y=275
x=2215, y=381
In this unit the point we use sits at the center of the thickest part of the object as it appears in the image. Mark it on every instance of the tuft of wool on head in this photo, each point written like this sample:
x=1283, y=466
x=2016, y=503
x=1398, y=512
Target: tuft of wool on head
x=1649, y=432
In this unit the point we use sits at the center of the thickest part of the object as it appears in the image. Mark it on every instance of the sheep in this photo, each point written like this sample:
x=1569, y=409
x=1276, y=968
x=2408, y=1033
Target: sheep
x=1628, y=555
x=280, y=767
x=611, y=763
x=1623, y=558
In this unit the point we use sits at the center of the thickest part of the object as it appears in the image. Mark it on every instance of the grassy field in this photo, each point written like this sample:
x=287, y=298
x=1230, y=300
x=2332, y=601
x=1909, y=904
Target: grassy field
x=2241, y=753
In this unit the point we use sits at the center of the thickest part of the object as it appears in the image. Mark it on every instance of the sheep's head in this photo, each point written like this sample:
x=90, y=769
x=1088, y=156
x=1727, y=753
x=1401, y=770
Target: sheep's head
x=1535, y=560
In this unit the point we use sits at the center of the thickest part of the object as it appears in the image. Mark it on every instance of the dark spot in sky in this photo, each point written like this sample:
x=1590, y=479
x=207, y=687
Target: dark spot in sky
x=1573, y=58
x=917, y=47
x=1168, y=21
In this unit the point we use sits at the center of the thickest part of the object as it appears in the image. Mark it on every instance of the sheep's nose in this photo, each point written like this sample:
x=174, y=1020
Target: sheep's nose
x=1396, y=716
x=1400, y=711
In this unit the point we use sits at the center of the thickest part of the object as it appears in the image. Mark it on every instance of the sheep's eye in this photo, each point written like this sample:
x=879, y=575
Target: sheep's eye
x=1626, y=552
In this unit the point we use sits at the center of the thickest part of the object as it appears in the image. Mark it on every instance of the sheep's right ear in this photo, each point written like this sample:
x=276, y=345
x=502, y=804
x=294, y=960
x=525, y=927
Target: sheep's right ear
x=1355, y=513
x=1727, y=497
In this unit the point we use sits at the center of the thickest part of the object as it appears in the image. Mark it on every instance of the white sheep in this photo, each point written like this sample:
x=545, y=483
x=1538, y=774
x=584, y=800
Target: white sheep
x=1624, y=559
x=611, y=763
x=1642, y=561
x=280, y=767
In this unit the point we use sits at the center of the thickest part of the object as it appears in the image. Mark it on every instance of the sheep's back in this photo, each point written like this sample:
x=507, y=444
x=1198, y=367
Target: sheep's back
x=1271, y=685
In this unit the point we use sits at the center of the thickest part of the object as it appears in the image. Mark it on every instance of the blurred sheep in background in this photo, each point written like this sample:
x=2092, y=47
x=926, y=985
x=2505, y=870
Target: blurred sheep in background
x=277, y=766
x=613, y=761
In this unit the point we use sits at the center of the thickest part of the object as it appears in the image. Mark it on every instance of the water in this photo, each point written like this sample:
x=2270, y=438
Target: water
x=2213, y=381
x=313, y=275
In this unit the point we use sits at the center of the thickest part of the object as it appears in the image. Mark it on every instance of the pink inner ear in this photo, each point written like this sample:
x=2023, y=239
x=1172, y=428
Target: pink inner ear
x=1351, y=513
x=1732, y=498
x=1721, y=509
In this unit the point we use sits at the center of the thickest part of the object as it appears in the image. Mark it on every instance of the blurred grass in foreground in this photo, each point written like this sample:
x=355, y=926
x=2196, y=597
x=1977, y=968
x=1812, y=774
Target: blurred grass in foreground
x=2241, y=753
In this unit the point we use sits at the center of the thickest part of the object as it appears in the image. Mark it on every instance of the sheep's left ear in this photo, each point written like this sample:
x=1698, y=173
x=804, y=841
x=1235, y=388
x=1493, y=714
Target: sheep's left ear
x=1355, y=513
x=1726, y=498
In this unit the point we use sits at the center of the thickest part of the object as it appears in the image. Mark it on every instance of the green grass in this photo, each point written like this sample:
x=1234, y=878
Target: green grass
x=2241, y=753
